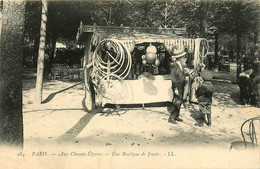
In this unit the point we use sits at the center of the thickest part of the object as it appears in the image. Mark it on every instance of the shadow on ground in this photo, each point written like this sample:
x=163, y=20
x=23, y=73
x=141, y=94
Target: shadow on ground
x=226, y=95
x=52, y=95
x=73, y=132
x=194, y=113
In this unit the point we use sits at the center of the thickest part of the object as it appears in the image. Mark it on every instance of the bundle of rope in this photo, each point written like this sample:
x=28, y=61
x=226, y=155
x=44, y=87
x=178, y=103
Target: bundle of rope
x=111, y=57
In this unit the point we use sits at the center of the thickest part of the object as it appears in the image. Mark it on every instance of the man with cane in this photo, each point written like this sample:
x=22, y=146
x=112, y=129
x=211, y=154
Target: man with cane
x=178, y=83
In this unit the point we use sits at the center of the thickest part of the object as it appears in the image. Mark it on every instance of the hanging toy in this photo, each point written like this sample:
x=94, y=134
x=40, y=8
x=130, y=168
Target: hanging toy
x=144, y=61
x=150, y=57
x=151, y=49
x=157, y=62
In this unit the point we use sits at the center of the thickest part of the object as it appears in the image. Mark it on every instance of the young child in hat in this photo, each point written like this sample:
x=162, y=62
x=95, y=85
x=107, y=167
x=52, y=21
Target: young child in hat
x=204, y=94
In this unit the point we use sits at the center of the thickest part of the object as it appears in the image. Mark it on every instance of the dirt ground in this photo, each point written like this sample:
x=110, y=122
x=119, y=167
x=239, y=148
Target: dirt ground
x=62, y=124
x=64, y=113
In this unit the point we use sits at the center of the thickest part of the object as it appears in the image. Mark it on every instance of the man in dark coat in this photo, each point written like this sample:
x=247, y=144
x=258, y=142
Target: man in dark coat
x=178, y=83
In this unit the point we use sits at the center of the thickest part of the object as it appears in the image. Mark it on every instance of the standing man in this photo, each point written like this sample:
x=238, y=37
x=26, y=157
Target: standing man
x=178, y=83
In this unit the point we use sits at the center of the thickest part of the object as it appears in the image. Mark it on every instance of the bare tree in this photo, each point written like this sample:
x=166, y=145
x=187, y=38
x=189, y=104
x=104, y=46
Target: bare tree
x=41, y=53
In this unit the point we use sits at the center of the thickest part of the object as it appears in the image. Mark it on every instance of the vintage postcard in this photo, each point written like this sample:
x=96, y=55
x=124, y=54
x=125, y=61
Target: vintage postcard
x=142, y=84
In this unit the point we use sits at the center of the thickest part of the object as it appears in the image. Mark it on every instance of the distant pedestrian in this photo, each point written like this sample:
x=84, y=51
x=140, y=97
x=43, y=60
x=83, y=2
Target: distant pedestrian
x=255, y=76
x=204, y=94
x=47, y=66
x=245, y=85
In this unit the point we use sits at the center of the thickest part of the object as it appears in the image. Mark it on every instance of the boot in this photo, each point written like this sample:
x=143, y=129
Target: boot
x=201, y=121
x=209, y=119
x=172, y=120
x=203, y=117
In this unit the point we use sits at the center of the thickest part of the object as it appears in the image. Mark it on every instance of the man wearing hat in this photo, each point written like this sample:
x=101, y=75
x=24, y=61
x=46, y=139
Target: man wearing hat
x=178, y=83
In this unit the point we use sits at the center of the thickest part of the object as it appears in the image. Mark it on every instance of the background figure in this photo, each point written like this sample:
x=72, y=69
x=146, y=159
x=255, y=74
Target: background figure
x=186, y=89
x=178, y=83
x=246, y=86
x=255, y=76
x=195, y=82
x=47, y=66
x=186, y=94
x=210, y=64
x=204, y=94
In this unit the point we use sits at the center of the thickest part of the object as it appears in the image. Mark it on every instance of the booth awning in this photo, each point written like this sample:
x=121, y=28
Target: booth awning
x=130, y=36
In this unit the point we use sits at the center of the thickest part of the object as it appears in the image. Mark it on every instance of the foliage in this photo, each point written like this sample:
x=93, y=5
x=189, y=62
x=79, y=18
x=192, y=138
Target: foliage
x=237, y=17
x=229, y=16
x=236, y=22
x=32, y=18
x=107, y=12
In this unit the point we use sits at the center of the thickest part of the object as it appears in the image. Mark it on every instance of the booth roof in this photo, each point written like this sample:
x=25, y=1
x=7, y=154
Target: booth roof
x=138, y=36
x=129, y=33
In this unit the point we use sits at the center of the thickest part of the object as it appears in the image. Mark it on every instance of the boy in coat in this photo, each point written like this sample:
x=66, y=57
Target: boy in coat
x=204, y=94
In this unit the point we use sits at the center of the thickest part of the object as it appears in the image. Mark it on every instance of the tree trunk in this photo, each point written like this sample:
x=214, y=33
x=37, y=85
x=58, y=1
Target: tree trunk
x=204, y=6
x=53, y=49
x=239, y=56
x=11, y=56
x=89, y=100
x=41, y=53
x=257, y=38
x=216, y=50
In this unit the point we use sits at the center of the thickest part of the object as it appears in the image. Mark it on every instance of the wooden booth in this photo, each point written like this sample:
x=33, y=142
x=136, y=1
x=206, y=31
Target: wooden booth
x=131, y=65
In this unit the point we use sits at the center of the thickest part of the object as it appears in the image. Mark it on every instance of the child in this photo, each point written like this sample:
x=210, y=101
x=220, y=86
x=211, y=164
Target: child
x=204, y=94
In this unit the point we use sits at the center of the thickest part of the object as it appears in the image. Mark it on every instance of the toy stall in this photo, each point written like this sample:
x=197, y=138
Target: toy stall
x=131, y=65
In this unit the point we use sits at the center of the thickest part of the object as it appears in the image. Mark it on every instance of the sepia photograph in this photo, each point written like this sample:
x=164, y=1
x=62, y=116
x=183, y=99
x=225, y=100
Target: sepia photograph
x=142, y=84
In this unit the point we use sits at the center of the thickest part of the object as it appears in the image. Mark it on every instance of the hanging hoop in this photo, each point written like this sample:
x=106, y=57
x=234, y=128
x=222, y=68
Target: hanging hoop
x=203, y=48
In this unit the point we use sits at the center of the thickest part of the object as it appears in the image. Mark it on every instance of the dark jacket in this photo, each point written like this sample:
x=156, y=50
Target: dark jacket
x=177, y=77
x=255, y=76
x=205, y=92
